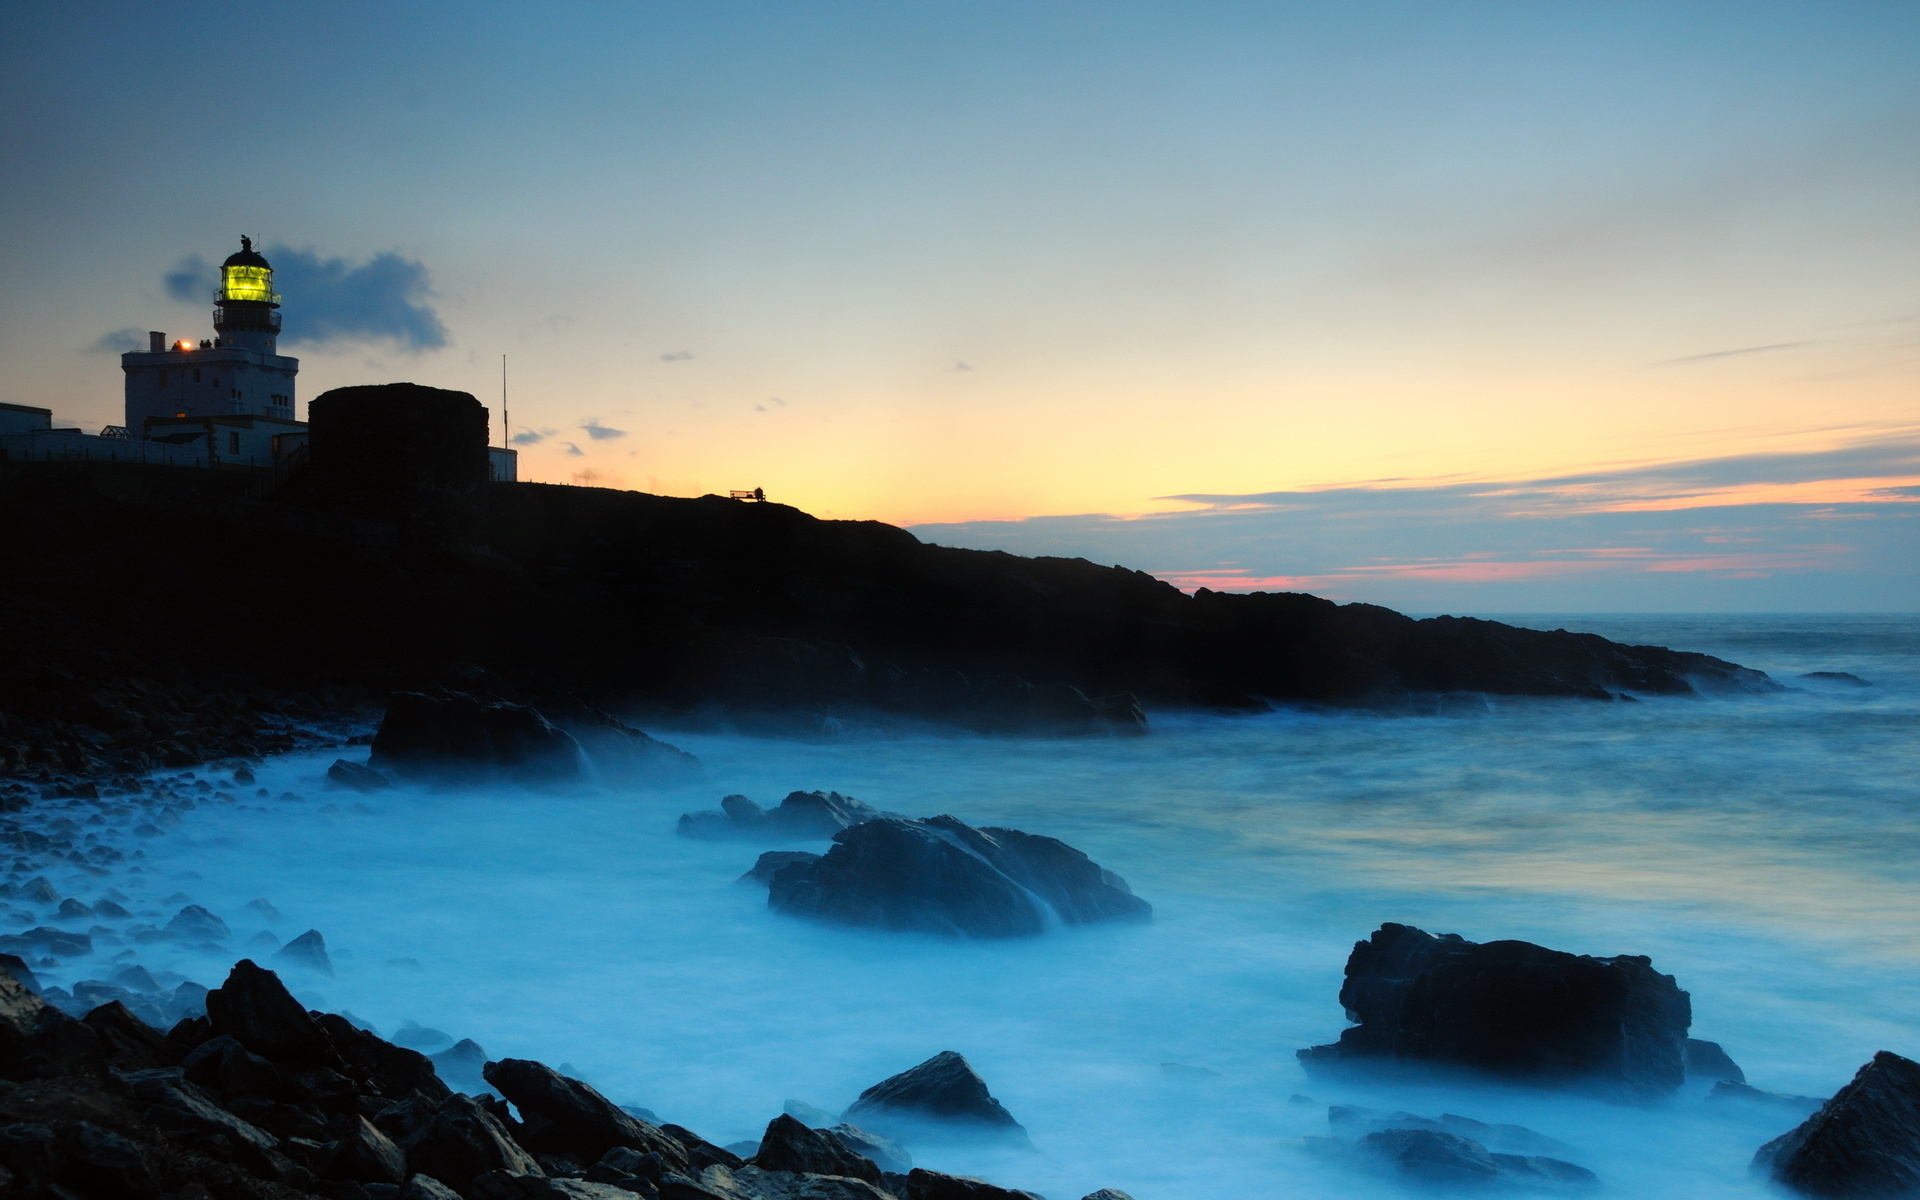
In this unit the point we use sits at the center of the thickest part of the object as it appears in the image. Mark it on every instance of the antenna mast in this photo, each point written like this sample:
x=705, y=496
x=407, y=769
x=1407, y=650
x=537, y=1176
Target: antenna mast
x=506, y=422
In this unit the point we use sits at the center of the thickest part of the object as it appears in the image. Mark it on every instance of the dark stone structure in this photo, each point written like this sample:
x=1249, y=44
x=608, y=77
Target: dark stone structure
x=1865, y=1142
x=404, y=453
x=1512, y=1009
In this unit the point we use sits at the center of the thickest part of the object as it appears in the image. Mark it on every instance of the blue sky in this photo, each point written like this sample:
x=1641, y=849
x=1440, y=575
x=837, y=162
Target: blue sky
x=988, y=268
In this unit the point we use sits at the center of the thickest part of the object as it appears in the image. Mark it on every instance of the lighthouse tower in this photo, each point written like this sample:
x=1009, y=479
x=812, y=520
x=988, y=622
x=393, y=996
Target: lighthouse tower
x=232, y=390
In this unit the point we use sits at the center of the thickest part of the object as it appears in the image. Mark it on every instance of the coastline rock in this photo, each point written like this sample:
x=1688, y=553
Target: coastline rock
x=460, y=1065
x=565, y=1116
x=453, y=733
x=1430, y=1156
x=356, y=777
x=455, y=1141
x=940, y=875
x=802, y=816
x=1864, y=1142
x=787, y=1145
x=195, y=924
x=308, y=951
x=1846, y=677
x=887, y=1154
x=934, y=1185
x=1352, y=1122
x=1511, y=1009
x=363, y=1154
x=944, y=1091
x=1728, y=1092
x=768, y=865
x=1706, y=1060
x=256, y=1010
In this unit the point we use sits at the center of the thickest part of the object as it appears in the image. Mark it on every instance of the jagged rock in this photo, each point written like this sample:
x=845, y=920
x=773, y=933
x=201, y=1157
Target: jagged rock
x=700, y=1151
x=801, y=816
x=255, y=1009
x=565, y=1116
x=356, y=777
x=1350, y=1122
x=810, y=1115
x=1431, y=1157
x=769, y=865
x=195, y=924
x=1706, y=1060
x=73, y=910
x=887, y=1154
x=426, y=1187
x=415, y=1036
x=501, y=1185
x=455, y=733
x=397, y=1071
x=129, y=1043
x=1728, y=1092
x=176, y=1103
x=943, y=876
x=619, y=751
x=787, y=1145
x=1512, y=1009
x=136, y=978
x=753, y=1183
x=362, y=1153
x=1107, y=1194
x=1864, y=1142
x=17, y=967
x=933, y=1185
x=459, y=1065
x=225, y=1067
x=454, y=1140
x=309, y=951
x=945, y=1090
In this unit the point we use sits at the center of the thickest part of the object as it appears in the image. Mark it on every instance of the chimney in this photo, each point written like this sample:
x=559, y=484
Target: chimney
x=156, y=342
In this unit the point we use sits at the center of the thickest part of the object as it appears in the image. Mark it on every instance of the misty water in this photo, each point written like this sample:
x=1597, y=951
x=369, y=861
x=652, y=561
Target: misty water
x=1760, y=848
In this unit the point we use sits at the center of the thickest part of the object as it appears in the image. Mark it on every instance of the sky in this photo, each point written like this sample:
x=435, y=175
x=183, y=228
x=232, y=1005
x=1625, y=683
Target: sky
x=1464, y=307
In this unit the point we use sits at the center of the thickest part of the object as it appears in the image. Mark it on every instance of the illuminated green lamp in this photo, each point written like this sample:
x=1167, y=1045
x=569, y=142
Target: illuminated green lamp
x=246, y=277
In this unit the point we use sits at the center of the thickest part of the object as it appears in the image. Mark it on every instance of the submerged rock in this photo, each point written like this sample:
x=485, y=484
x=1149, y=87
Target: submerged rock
x=944, y=1091
x=1864, y=1142
x=1728, y=1092
x=356, y=777
x=769, y=865
x=460, y=1065
x=941, y=875
x=195, y=924
x=887, y=1154
x=1511, y=1009
x=455, y=733
x=1351, y=1122
x=802, y=816
x=1432, y=1157
x=1846, y=677
x=308, y=951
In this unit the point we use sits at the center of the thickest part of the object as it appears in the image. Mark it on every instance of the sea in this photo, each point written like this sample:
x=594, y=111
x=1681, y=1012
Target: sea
x=1763, y=849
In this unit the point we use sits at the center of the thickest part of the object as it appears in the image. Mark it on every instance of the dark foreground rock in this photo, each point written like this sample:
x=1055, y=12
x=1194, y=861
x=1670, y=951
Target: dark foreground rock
x=801, y=816
x=1511, y=1009
x=452, y=732
x=1706, y=1060
x=1865, y=1142
x=941, y=875
x=944, y=1092
x=1429, y=1156
x=1730, y=1094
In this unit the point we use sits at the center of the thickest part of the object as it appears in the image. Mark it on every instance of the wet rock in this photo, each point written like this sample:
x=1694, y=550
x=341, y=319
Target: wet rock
x=228, y=1069
x=362, y=1153
x=810, y=1115
x=1107, y=1194
x=308, y=951
x=887, y=1154
x=801, y=816
x=942, y=876
x=1429, y=1156
x=254, y=1008
x=195, y=924
x=1730, y=1093
x=73, y=910
x=175, y=1103
x=426, y=1187
x=769, y=865
x=933, y=1185
x=1706, y=1060
x=501, y=1185
x=1843, y=677
x=38, y=890
x=454, y=1140
x=943, y=1091
x=787, y=1145
x=416, y=1036
x=395, y=1070
x=459, y=1065
x=455, y=733
x=700, y=1151
x=1511, y=1009
x=129, y=1043
x=565, y=1116
x=136, y=978
x=752, y=1183
x=46, y=940
x=17, y=967
x=1864, y=1142
x=110, y=910
x=356, y=777
x=100, y=1162
x=263, y=908
x=1352, y=1122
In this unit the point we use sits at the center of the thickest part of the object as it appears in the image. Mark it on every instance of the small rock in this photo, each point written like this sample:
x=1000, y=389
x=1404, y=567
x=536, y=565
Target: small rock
x=1728, y=1092
x=136, y=979
x=1107, y=1194
x=73, y=910
x=308, y=951
x=787, y=1145
x=945, y=1090
x=460, y=1064
x=1845, y=677
x=38, y=890
x=1706, y=1060
x=195, y=924
x=770, y=863
x=355, y=776
x=263, y=909
x=415, y=1036
x=107, y=908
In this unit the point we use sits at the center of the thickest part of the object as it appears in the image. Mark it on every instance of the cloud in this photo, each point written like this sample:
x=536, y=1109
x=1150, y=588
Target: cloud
x=334, y=299
x=1688, y=358
x=532, y=437
x=573, y=451
x=599, y=432
x=1837, y=528
x=120, y=341
x=959, y=366
x=676, y=356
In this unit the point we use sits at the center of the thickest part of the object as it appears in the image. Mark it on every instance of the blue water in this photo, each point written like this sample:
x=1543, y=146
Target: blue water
x=1760, y=848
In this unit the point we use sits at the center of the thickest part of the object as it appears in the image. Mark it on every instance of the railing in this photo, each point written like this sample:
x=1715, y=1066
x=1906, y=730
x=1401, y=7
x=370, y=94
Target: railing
x=247, y=316
x=22, y=448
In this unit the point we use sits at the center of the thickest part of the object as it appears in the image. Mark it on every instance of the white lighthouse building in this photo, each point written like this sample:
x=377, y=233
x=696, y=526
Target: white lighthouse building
x=230, y=397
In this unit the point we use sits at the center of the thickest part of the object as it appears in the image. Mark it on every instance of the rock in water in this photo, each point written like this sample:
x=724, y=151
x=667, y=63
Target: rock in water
x=460, y=1065
x=933, y=1185
x=800, y=817
x=455, y=733
x=355, y=776
x=256, y=1010
x=941, y=875
x=769, y=865
x=196, y=924
x=1865, y=1142
x=565, y=1116
x=309, y=950
x=1706, y=1060
x=944, y=1090
x=886, y=1153
x=788, y=1145
x=1512, y=1009
x=1430, y=1156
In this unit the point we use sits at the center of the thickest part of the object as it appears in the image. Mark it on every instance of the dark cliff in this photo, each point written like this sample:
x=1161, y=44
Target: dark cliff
x=153, y=614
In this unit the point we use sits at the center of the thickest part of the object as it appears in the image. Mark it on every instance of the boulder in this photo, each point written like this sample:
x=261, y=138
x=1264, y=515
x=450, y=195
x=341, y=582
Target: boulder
x=195, y=924
x=1863, y=1142
x=769, y=865
x=426, y=1187
x=356, y=777
x=1107, y=1194
x=129, y=1043
x=460, y=1064
x=933, y=1185
x=1511, y=1009
x=944, y=1091
x=941, y=875
x=308, y=951
x=395, y=1070
x=453, y=733
x=753, y=1183
x=619, y=751
x=802, y=816
x=1351, y=1122
x=1429, y=1156
x=565, y=1116
x=1727, y=1092
x=455, y=1141
x=887, y=1154
x=256, y=1010
x=503, y=1185
x=362, y=1153
x=1706, y=1060
x=787, y=1145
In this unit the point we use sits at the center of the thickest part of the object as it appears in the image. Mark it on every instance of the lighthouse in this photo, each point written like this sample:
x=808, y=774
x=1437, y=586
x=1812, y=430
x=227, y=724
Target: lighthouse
x=229, y=397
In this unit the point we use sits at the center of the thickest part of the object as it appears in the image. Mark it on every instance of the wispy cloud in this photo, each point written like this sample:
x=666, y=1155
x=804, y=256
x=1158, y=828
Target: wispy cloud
x=572, y=450
x=677, y=356
x=119, y=341
x=533, y=437
x=1767, y=349
x=600, y=433
x=385, y=298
